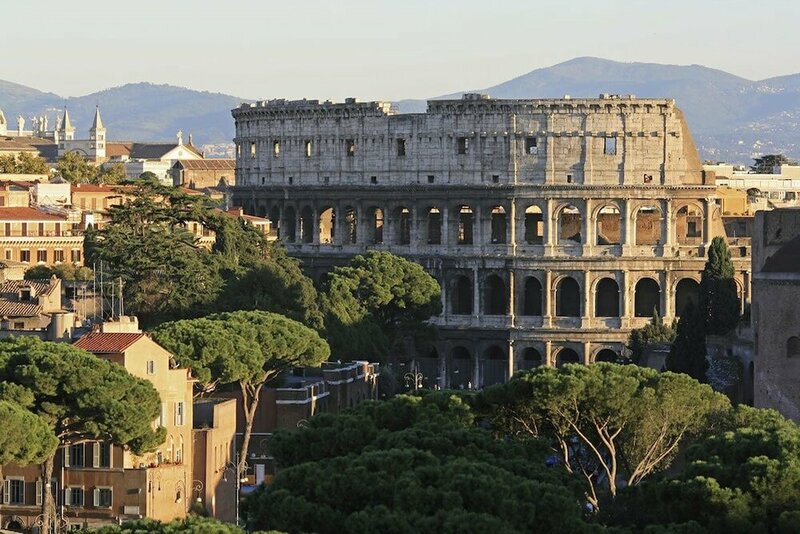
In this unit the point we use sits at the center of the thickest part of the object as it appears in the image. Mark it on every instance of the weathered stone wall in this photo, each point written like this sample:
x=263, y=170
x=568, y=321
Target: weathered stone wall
x=503, y=201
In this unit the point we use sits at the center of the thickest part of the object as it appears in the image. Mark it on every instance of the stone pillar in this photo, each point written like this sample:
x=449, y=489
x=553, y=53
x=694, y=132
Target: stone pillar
x=589, y=227
x=629, y=224
x=587, y=352
x=413, y=232
x=664, y=280
x=510, y=369
x=388, y=225
x=708, y=208
x=625, y=296
x=669, y=225
x=548, y=293
x=586, y=312
x=315, y=224
x=548, y=353
x=476, y=369
x=550, y=228
x=445, y=226
x=476, y=294
x=478, y=221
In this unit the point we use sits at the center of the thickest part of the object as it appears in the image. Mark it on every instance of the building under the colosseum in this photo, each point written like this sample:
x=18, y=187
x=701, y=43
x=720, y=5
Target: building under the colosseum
x=554, y=226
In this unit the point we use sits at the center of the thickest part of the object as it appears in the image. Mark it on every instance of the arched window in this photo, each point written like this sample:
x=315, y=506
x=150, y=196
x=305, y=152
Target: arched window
x=532, y=299
x=464, y=225
x=290, y=224
x=376, y=218
x=461, y=368
x=534, y=226
x=648, y=298
x=568, y=298
x=403, y=226
x=327, y=226
x=434, y=226
x=499, y=225
x=686, y=291
x=461, y=296
x=569, y=225
x=606, y=355
x=351, y=225
x=307, y=225
x=648, y=225
x=530, y=358
x=609, y=223
x=495, y=297
x=689, y=225
x=793, y=347
x=494, y=366
x=567, y=355
x=606, y=298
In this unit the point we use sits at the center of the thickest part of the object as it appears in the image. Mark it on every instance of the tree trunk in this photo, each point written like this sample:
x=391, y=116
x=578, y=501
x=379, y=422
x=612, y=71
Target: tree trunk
x=249, y=405
x=48, y=506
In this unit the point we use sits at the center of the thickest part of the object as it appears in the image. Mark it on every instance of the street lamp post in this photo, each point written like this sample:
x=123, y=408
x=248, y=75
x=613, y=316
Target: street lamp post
x=234, y=469
x=414, y=377
x=197, y=485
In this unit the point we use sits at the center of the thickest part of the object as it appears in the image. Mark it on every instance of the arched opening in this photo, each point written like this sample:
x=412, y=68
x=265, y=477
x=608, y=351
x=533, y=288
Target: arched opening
x=686, y=291
x=434, y=226
x=461, y=367
x=793, y=347
x=327, y=226
x=606, y=298
x=262, y=211
x=493, y=366
x=534, y=226
x=531, y=358
x=569, y=225
x=464, y=225
x=14, y=523
x=461, y=296
x=606, y=355
x=499, y=225
x=376, y=218
x=648, y=226
x=568, y=298
x=567, y=355
x=648, y=298
x=609, y=226
x=403, y=226
x=290, y=225
x=307, y=225
x=351, y=225
x=532, y=298
x=689, y=225
x=428, y=365
x=495, y=297
x=275, y=220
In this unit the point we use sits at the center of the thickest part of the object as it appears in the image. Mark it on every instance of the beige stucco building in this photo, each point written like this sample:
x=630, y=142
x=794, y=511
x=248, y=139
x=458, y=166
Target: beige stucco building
x=554, y=226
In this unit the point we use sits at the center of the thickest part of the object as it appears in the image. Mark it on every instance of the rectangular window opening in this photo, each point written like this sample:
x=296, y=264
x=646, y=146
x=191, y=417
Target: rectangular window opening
x=462, y=145
x=276, y=148
x=496, y=178
x=530, y=146
x=610, y=146
x=373, y=179
x=431, y=178
x=401, y=147
x=308, y=148
x=350, y=147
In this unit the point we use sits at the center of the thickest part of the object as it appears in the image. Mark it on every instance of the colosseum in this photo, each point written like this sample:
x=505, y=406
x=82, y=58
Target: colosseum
x=554, y=226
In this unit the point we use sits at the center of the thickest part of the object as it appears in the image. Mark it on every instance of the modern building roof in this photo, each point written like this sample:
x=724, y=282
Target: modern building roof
x=107, y=343
x=786, y=260
x=27, y=214
x=206, y=164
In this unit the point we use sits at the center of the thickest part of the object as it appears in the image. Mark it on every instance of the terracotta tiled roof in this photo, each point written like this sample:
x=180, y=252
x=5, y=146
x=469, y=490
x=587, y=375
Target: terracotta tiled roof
x=107, y=343
x=786, y=260
x=207, y=164
x=117, y=149
x=10, y=144
x=10, y=308
x=238, y=213
x=40, y=287
x=27, y=214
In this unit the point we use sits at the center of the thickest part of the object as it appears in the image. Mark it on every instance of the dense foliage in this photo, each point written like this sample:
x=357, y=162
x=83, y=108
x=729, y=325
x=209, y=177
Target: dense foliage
x=245, y=348
x=688, y=351
x=767, y=162
x=378, y=305
x=412, y=464
x=72, y=167
x=192, y=524
x=719, y=302
x=78, y=396
x=167, y=274
x=641, y=338
x=607, y=423
x=24, y=163
x=65, y=271
x=25, y=438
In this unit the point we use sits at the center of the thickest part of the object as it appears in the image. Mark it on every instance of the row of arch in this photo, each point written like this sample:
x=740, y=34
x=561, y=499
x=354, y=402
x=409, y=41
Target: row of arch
x=464, y=369
x=310, y=226
x=607, y=297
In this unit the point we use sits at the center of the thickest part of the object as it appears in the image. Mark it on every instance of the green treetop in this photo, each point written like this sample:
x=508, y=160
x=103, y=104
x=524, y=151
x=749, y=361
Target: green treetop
x=74, y=168
x=719, y=301
x=79, y=397
x=376, y=304
x=655, y=332
x=688, y=351
x=246, y=348
x=24, y=163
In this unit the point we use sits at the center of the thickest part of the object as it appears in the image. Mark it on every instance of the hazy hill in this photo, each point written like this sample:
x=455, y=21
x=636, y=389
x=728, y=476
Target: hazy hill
x=732, y=118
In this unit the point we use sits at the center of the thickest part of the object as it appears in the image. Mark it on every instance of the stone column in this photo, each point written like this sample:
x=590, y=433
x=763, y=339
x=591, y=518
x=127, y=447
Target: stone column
x=665, y=280
x=548, y=295
x=478, y=221
x=625, y=308
x=586, y=313
x=476, y=294
x=510, y=369
x=669, y=225
x=550, y=228
x=548, y=353
x=388, y=225
x=315, y=224
x=628, y=238
x=445, y=226
x=476, y=369
x=589, y=227
x=708, y=207
x=587, y=352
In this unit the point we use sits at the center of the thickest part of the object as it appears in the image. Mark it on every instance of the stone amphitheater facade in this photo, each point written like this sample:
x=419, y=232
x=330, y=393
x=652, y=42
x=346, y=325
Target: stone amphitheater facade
x=554, y=226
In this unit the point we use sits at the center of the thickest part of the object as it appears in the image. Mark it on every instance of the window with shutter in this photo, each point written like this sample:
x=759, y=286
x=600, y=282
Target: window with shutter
x=6, y=490
x=96, y=454
x=39, y=492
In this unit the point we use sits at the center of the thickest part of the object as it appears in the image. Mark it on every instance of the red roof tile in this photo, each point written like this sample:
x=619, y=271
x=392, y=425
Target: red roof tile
x=27, y=214
x=107, y=343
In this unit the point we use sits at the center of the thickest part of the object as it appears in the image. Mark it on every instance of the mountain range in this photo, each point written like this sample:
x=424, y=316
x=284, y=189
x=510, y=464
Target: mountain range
x=732, y=118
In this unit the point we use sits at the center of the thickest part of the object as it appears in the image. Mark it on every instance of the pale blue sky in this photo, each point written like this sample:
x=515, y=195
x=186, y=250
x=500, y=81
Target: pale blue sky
x=376, y=48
